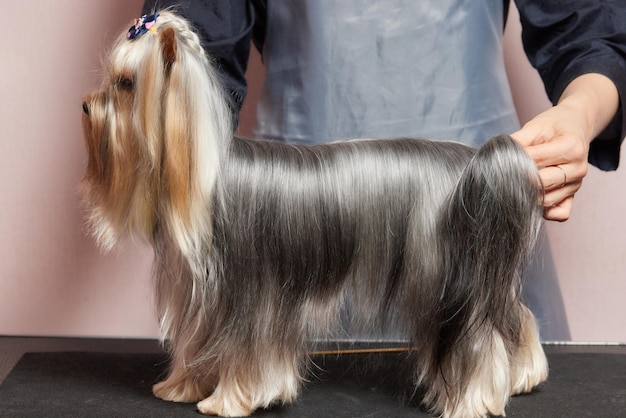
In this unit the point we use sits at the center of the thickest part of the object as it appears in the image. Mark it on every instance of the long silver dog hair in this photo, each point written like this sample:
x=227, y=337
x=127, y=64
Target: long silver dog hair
x=260, y=244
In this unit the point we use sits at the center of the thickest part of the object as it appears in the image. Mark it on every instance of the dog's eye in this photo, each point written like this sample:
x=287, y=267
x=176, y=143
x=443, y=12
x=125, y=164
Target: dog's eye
x=125, y=83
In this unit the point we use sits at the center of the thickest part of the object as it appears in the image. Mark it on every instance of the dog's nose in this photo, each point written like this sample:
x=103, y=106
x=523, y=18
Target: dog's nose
x=86, y=108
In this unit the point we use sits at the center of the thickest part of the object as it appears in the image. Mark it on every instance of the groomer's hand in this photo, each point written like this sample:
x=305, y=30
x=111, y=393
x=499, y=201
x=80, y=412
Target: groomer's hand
x=559, y=145
x=558, y=139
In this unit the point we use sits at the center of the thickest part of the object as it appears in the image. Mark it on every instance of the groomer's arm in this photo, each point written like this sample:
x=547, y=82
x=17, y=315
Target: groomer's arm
x=558, y=139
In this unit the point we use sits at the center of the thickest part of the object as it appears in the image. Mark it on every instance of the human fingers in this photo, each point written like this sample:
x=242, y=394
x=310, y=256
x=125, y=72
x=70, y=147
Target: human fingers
x=561, y=149
x=560, y=212
x=557, y=176
x=553, y=177
x=559, y=190
x=554, y=137
x=555, y=196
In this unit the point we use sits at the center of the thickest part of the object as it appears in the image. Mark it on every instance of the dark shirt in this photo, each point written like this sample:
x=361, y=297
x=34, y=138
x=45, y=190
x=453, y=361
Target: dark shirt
x=563, y=39
x=567, y=38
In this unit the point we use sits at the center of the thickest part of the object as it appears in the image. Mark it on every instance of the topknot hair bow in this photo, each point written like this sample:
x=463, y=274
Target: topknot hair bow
x=141, y=26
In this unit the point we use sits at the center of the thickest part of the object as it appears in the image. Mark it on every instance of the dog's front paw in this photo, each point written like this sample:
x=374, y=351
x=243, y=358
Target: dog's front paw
x=175, y=390
x=224, y=407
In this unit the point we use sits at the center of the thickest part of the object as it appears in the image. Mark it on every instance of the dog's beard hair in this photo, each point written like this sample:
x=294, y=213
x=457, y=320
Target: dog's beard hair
x=259, y=244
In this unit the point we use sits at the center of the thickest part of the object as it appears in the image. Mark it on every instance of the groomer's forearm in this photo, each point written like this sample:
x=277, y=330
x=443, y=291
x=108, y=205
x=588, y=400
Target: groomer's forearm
x=595, y=100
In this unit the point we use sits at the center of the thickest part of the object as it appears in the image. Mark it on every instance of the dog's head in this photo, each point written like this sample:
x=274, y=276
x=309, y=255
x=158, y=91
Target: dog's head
x=153, y=133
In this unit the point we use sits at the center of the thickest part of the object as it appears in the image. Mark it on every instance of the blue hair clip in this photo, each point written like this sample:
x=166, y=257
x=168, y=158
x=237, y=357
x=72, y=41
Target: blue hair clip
x=141, y=26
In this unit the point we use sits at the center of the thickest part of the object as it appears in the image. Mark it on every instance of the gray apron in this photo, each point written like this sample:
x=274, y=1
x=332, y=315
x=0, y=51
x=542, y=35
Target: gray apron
x=344, y=69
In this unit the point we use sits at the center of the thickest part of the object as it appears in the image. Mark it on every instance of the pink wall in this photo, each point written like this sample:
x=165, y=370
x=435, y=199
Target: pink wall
x=53, y=281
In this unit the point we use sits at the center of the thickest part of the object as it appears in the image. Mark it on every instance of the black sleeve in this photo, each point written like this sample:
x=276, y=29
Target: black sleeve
x=225, y=30
x=568, y=38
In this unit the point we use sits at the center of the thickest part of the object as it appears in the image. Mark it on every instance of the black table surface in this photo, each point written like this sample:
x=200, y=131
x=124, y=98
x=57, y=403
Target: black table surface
x=64, y=377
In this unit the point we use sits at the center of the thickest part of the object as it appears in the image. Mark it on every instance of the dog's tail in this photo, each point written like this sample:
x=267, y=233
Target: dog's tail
x=487, y=231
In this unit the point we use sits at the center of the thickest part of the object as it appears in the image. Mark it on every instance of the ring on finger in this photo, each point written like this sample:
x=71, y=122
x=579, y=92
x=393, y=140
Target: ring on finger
x=564, y=175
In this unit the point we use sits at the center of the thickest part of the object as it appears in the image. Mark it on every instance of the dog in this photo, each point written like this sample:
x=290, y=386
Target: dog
x=259, y=245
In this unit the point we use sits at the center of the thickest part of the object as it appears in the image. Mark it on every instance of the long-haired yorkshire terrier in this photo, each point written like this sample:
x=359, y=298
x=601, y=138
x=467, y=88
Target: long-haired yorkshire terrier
x=260, y=245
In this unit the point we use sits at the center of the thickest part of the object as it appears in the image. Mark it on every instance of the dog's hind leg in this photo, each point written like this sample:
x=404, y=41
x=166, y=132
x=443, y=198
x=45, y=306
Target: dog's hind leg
x=481, y=393
x=529, y=365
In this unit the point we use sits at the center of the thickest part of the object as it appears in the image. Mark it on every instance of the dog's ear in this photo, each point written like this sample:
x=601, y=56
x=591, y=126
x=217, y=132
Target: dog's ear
x=167, y=37
x=177, y=159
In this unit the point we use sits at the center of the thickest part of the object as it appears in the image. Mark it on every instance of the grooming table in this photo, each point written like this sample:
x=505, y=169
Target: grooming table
x=58, y=377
